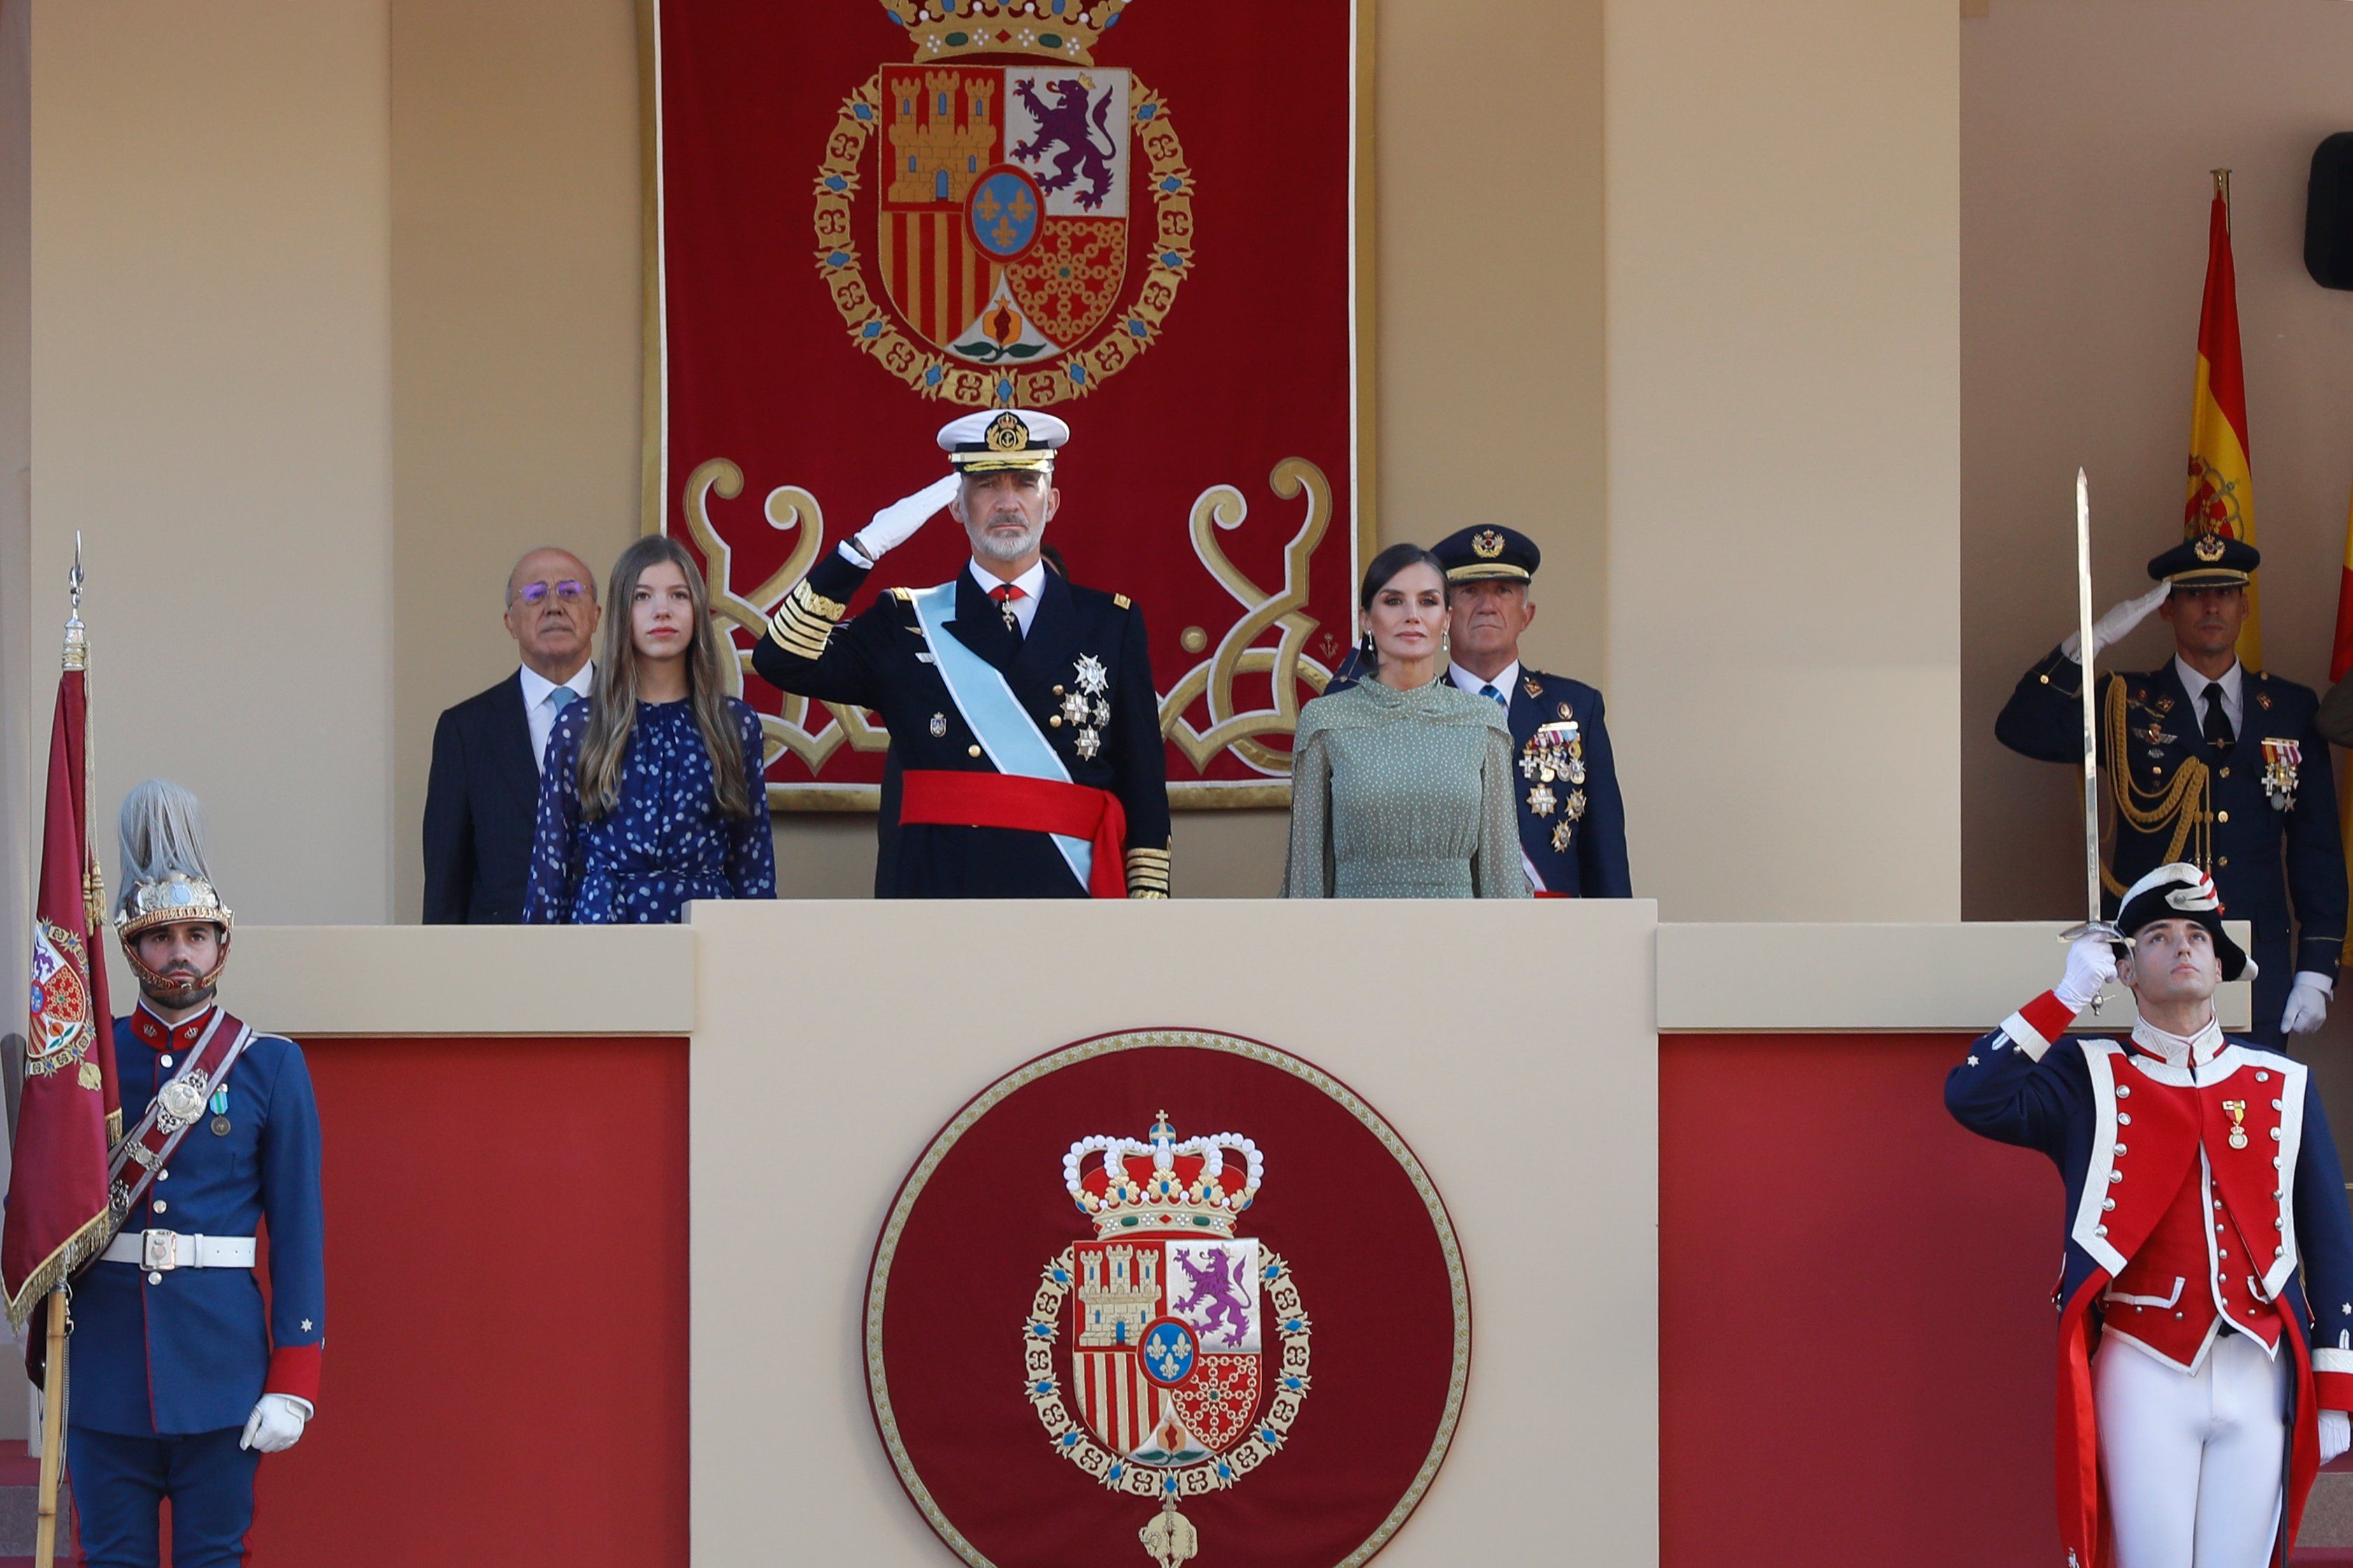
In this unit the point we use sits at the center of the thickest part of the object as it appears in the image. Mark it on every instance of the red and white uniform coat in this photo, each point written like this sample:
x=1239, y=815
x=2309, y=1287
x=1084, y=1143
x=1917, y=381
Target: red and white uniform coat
x=2204, y=1197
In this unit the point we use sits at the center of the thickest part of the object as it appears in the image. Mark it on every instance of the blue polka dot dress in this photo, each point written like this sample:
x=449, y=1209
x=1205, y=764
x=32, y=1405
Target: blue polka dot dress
x=664, y=845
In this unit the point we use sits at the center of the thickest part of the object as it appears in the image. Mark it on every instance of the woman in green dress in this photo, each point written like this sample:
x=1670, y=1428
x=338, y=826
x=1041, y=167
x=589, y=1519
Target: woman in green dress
x=1401, y=784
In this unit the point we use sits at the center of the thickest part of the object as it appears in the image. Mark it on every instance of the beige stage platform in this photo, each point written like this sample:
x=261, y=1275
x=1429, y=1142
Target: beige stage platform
x=830, y=1041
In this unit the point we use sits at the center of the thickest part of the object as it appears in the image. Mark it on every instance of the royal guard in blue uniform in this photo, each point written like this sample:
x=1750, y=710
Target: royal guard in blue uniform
x=2206, y=760
x=1025, y=760
x=2206, y=1299
x=183, y=1375
x=1572, y=819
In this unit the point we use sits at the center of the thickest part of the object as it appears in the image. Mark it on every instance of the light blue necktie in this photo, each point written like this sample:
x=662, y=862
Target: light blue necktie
x=563, y=697
x=1489, y=690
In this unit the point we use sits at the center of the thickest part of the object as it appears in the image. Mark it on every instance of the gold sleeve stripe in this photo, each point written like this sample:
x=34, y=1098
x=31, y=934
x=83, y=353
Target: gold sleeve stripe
x=805, y=620
x=1147, y=873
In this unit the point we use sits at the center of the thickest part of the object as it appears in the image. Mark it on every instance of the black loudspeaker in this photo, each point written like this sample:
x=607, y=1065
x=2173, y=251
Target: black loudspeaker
x=2328, y=213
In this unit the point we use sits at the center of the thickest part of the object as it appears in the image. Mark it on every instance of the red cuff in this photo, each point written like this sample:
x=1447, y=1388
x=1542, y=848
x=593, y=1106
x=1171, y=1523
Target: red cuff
x=294, y=1371
x=2049, y=1015
x=2333, y=1390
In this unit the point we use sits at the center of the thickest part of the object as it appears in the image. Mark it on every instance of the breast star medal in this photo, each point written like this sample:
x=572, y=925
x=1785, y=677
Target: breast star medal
x=1562, y=831
x=1540, y=800
x=2236, y=1109
x=1088, y=706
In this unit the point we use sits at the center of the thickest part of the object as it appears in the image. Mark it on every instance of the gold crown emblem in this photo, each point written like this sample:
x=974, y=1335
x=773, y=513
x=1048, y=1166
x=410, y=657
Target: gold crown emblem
x=1008, y=434
x=1058, y=29
x=2208, y=547
x=1196, y=1187
x=1486, y=544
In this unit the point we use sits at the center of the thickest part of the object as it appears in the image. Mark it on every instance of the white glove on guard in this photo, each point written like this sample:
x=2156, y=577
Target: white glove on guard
x=2307, y=1003
x=2090, y=965
x=2116, y=623
x=897, y=523
x=276, y=1423
x=2335, y=1434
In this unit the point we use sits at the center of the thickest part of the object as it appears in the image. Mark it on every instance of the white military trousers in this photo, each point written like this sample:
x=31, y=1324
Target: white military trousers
x=2193, y=1462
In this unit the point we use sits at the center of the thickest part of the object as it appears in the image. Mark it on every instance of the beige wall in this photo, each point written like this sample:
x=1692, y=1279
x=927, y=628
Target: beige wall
x=514, y=336
x=211, y=379
x=1783, y=233
x=2088, y=127
x=19, y=796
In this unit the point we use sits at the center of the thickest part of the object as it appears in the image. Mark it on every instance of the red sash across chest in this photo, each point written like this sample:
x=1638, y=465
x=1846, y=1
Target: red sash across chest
x=2196, y=1203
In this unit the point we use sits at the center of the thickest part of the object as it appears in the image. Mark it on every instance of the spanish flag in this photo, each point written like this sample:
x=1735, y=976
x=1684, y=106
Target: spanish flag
x=2221, y=489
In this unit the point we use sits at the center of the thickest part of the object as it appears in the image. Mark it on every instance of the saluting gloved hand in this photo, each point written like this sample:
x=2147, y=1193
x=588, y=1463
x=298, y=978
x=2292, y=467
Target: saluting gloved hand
x=2307, y=1003
x=2335, y=1434
x=2090, y=965
x=896, y=524
x=2117, y=622
x=276, y=1423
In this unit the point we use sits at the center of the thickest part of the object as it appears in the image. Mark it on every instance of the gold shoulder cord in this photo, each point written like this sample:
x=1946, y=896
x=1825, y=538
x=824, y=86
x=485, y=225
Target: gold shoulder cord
x=2184, y=803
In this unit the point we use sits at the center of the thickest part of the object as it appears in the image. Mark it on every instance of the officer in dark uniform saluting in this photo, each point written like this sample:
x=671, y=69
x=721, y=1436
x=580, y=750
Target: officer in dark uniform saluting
x=2208, y=761
x=1026, y=758
x=1572, y=819
x=182, y=1375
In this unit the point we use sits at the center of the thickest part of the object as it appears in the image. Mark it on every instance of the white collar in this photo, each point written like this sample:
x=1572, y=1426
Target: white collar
x=2195, y=684
x=1030, y=582
x=1506, y=678
x=2181, y=1050
x=535, y=686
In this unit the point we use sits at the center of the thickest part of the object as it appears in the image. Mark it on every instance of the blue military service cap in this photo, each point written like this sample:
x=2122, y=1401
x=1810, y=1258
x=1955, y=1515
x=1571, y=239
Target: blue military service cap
x=2209, y=560
x=996, y=439
x=1488, y=550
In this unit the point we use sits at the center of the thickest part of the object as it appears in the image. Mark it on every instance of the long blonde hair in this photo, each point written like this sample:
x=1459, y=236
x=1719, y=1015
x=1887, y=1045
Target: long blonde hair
x=613, y=705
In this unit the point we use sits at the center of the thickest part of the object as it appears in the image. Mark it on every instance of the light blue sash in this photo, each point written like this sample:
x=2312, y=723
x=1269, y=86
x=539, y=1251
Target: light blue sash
x=1006, y=732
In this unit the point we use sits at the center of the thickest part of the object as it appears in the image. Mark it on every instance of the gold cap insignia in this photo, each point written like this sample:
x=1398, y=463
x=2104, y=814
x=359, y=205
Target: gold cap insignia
x=2208, y=547
x=1486, y=544
x=1008, y=434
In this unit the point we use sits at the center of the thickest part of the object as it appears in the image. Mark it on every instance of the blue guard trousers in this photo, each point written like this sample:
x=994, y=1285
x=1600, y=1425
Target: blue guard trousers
x=119, y=1484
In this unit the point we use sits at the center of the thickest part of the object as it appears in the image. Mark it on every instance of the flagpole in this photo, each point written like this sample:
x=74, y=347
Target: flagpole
x=53, y=1365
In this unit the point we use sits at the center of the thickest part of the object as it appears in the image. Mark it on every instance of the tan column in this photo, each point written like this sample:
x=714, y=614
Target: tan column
x=211, y=369
x=1782, y=242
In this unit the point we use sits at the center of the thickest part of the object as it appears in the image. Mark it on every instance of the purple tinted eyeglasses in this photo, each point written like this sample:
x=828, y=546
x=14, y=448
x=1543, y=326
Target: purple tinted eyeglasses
x=536, y=592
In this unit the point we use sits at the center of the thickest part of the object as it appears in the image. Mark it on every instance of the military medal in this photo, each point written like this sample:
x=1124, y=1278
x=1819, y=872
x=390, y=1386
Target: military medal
x=220, y=1112
x=1074, y=708
x=1087, y=744
x=2237, y=1112
x=939, y=725
x=1095, y=681
x=1540, y=800
x=2282, y=759
x=1562, y=831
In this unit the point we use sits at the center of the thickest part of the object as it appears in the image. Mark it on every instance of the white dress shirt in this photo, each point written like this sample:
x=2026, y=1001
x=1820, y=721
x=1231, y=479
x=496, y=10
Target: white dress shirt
x=1506, y=678
x=2195, y=684
x=1025, y=608
x=540, y=713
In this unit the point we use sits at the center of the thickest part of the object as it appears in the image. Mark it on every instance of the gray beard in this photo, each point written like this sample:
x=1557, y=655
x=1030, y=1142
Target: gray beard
x=991, y=547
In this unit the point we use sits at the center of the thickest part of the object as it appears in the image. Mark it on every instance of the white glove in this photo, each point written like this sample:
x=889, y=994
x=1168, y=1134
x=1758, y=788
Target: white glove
x=2116, y=623
x=896, y=524
x=276, y=1423
x=2090, y=965
x=2307, y=1003
x=2335, y=1434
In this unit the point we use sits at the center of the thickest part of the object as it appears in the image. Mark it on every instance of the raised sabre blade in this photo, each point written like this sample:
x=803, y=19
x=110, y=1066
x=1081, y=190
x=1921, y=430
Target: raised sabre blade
x=2093, y=925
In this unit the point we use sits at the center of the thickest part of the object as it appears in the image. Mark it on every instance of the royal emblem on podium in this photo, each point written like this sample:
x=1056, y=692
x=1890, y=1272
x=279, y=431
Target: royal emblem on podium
x=1167, y=1413
x=974, y=204
x=1159, y=1327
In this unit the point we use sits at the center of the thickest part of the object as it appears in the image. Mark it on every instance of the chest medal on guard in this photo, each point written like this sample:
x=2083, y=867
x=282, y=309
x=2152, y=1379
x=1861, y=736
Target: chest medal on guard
x=2282, y=761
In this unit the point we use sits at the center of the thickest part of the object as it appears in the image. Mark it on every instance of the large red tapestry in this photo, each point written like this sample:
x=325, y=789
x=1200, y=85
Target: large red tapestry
x=1162, y=1295
x=876, y=214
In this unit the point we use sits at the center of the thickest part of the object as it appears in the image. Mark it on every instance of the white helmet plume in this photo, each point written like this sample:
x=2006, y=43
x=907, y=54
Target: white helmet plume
x=161, y=833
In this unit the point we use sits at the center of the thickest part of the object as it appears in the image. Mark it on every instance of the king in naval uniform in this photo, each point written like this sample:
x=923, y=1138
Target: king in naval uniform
x=2206, y=1294
x=1026, y=759
x=183, y=1376
x=2208, y=761
x=1572, y=819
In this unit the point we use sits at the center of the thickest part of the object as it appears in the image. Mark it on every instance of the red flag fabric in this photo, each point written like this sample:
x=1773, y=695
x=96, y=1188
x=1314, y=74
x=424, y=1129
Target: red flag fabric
x=2222, y=485
x=57, y=1215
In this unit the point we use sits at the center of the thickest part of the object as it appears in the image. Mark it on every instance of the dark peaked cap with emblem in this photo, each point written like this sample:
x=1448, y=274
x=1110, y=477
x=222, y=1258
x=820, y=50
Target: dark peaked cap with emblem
x=2180, y=891
x=1488, y=551
x=996, y=439
x=2209, y=560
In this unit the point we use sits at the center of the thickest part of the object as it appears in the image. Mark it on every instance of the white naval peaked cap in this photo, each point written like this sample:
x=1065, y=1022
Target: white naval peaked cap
x=996, y=439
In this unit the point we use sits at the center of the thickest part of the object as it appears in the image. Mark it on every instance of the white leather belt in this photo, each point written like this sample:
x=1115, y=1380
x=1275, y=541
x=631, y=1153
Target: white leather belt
x=160, y=1250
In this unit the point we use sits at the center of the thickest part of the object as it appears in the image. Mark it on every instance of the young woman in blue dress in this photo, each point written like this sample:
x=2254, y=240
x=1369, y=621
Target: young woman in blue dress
x=653, y=793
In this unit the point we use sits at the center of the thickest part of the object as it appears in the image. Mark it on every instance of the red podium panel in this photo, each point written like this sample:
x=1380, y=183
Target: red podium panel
x=506, y=1364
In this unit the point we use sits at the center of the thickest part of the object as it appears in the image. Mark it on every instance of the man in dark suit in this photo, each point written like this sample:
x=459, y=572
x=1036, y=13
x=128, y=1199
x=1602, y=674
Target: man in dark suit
x=2207, y=761
x=484, y=795
x=1572, y=819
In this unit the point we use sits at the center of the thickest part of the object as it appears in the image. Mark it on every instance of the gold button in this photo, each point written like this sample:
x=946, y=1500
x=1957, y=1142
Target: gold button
x=1058, y=691
x=972, y=751
x=2044, y=678
x=2222, y=816
x=1056, y=721
x=2226, y=773
x=2156, y=773
x=2223, y=861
